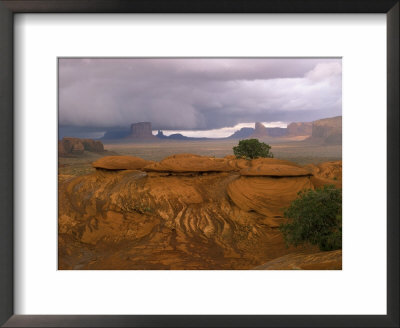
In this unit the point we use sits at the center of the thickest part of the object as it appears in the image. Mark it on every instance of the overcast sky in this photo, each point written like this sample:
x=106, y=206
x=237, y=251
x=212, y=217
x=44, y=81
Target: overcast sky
x=196, y=94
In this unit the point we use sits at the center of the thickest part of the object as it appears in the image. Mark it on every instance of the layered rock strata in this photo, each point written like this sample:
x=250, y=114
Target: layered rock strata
x=185, y=212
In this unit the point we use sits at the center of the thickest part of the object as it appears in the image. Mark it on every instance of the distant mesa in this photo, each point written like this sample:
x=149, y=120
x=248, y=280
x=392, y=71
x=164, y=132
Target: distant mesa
x=175, y=136
x=243, y=133
x=141, y=131
x=260, y=131
x=161, y=135
x=277, y=132
x=327, y=130
x=76, y=146
x=299, y=129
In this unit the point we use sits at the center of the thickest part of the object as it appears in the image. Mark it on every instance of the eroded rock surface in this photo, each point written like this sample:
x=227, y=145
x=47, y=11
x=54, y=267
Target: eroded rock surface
x=266, y=195
x=327, y=173
x=120, y=163
x=76, y=146
x=273, y=167
x=160, y=217
x=194, y=163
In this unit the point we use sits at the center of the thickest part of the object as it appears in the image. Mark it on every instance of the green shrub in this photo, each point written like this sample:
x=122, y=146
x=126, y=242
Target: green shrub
x=315, y=217
x=252, y=148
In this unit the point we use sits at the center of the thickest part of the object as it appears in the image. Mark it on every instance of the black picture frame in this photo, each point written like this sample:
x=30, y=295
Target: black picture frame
x=10, y=7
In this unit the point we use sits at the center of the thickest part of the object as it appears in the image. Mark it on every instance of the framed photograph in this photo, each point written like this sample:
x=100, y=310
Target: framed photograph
x=199, y=164
x=199, y=179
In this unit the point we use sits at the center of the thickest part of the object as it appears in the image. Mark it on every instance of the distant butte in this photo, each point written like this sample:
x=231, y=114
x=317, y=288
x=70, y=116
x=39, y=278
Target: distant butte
x=328, y=131
x=299, y=129
x=141, y=131
x=260, y=131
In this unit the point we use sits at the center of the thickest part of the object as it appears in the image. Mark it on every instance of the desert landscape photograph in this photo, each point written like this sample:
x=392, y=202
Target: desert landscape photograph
x=199, y=164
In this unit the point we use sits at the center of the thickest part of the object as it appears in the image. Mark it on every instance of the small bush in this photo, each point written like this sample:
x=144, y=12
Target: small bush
x=252, y=148
x=315, y=217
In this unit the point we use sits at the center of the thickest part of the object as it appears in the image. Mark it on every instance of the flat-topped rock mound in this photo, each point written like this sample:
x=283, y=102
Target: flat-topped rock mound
x=185, y=163
x=274, y=168
x=182, y=163
x=190, y=163
x=120, y=163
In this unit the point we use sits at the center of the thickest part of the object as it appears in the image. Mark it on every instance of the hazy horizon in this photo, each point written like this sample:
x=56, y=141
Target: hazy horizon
x=213, y=133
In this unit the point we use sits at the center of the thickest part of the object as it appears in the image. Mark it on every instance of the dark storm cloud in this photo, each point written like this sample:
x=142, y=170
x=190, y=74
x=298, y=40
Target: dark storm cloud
x=189, y=94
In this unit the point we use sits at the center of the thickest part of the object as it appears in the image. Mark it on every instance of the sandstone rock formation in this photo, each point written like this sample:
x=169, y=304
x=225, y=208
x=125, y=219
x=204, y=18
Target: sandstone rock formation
x=277, y=132
x=260, y=132
x=299, y=129
x=61, y=149
x=93, y=145
x=326, y=173
x=243, y=133
x=328, y=130
x=191, y=163
x=75, y=146
x=120, y=163
x=159, y=217
x=274, y=168
x=266, y=195
x=142, y=131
